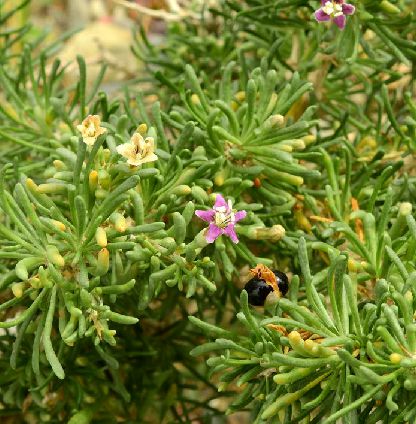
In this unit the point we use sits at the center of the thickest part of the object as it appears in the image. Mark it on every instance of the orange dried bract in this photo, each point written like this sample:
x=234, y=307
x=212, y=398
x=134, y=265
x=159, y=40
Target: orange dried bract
x=263, y=273
x=278, y=328
x=305, y=334
x=358, y=223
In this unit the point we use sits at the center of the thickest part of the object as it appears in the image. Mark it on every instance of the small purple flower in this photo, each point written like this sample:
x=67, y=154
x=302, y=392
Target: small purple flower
x=335, y=9
x=222, y=219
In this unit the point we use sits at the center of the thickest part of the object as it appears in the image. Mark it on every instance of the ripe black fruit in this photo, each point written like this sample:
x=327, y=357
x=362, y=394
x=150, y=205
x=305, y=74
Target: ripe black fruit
x=282, y=282
x=258, y=289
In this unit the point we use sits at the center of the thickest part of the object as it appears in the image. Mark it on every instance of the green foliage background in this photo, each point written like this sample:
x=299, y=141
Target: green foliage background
x=308, y=129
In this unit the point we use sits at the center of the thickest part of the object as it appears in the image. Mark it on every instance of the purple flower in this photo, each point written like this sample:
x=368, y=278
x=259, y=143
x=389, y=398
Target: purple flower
x=222, y=219
x=335, y=9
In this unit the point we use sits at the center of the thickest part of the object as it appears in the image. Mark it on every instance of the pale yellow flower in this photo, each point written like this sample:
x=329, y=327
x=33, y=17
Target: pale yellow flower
x=138, y=150
x=90, y=129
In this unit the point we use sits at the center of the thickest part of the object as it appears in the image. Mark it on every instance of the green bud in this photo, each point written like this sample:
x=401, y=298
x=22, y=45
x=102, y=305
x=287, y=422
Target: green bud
x=101, y=237
x=119, y=222
x=103, y=262
x=18, y=289
x=104, y=179
x=388, y=7
x=54, y=256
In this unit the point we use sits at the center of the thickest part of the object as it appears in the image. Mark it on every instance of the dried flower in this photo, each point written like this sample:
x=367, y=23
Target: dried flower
x=90, y=129
x=138, y=150
x=335, y=9
x=222, y=219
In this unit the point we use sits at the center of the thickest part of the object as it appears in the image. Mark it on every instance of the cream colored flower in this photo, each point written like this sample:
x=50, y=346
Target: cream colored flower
x=138, y=150
x=90, y=129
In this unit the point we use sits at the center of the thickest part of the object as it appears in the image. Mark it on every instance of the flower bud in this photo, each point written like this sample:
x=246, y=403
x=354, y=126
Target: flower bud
x=18, y=288
x=93, y=180
x=388, y=7
x=106, y=154
x=104, y=179
x=219, y=178
x=31, y=185
x=195, y=99
x=103, y=261
x=100, y=193
x=309, y=139
x=58, y=224
x=59, y=165
x=298, y=144
x=35, y=282
x=119, y=222
x=101, y=237
x=234, y=105
x=240, y=96
x=409, y=296
x=54, y=256
x=405, y=208
x=276, y=120
x=396, y=358
x=142, y=129
x=294, y=338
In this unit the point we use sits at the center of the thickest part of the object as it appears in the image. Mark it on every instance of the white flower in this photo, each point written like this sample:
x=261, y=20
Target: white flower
x=90, y=129
x=138, y=150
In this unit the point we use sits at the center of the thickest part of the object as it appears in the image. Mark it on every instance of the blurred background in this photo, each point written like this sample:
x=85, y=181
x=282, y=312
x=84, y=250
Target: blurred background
x=102, y=32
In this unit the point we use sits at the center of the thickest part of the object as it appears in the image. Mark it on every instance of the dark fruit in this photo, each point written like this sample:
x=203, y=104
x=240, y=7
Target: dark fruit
x=258, y=289
x=282, y=282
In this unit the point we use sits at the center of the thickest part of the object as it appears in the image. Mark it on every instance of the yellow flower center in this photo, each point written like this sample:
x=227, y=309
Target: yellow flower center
x=333, y=9
x=224, y=217
x=91, y=130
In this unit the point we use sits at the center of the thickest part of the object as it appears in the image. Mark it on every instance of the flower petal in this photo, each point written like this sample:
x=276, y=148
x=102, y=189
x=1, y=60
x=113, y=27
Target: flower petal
x=340, y=21
x=220, y=202
x=137, y=140
x=126, y=150
x=150, y=158
x=348, y=9
x=206, y=216
x=230, y=232
x=213, y=233
x=134, y=161
x=321, y=16
x=89, y=141
x=240, y=215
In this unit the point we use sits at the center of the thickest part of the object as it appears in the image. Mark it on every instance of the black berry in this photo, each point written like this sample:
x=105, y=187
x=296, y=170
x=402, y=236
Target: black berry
x=282, y=282
x=258, y=289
